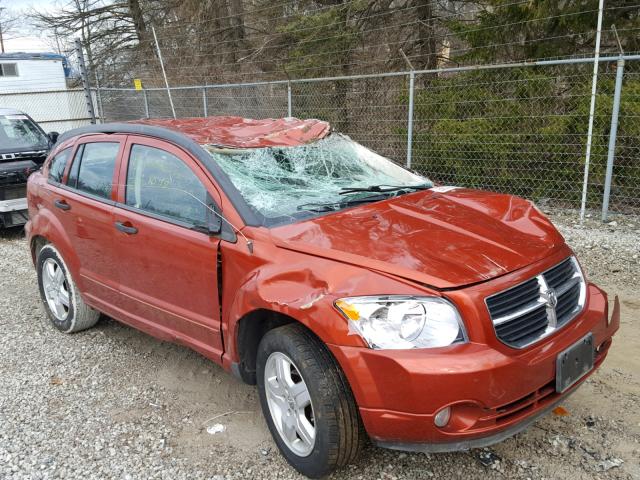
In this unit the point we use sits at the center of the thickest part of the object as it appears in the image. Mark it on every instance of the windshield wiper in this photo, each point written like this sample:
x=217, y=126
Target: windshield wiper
x=334, y=206
x=384, y=188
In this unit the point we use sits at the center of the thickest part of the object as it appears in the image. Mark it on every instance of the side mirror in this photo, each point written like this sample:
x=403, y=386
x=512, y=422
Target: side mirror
x=53, y=137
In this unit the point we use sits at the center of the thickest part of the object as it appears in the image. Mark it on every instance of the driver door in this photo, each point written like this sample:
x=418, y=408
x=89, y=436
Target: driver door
x=168, y=282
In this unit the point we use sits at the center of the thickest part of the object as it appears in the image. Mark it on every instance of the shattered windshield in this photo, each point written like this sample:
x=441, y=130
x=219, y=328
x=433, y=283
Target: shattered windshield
x=289, y=183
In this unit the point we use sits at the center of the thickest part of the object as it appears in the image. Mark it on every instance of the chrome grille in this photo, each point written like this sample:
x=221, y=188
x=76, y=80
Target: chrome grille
x=536, y=308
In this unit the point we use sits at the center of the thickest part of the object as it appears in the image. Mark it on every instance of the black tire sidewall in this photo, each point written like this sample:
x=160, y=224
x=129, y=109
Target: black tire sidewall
x=317, y=464
x=49, y=252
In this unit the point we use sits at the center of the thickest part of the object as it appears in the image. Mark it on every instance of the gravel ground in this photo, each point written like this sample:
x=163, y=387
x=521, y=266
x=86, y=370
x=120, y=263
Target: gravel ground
x=114, y=403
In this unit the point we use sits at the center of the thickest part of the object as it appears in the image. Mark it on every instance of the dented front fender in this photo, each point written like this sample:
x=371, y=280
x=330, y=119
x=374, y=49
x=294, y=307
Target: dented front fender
x=301, y=286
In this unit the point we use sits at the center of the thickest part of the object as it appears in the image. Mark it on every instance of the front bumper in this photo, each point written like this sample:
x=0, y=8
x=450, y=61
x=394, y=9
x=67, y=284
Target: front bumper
x=480, y=442
x=494, y=392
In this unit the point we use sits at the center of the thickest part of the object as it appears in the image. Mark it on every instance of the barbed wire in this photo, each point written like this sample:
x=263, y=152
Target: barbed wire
x=191, y=24
x=186, y=78
x=369, y=64
x=262, y=55
x=367, y=31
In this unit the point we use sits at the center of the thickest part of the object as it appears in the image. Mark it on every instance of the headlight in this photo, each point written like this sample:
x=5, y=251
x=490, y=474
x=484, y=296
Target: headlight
x=402, y=322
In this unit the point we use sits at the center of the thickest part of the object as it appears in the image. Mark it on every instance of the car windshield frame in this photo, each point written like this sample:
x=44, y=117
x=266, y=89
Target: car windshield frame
x=399, y=182
x=29, y=127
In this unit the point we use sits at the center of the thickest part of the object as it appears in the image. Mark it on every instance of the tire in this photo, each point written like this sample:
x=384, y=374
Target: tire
x=334, y=418
x=54, y=278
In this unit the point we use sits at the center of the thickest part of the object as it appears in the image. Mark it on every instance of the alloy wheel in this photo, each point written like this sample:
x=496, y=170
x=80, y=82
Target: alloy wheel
x=56, y=289
x=290, y=404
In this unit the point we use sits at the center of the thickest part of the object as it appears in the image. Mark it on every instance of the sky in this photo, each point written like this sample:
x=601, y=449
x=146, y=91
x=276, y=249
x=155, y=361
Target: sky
x=25, y=39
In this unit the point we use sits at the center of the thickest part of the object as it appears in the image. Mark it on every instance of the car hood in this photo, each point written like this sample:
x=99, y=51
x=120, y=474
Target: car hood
x=440, y=237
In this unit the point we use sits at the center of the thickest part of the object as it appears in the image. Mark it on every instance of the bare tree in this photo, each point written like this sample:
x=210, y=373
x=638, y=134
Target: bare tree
x=111, y=31
x=8, y=24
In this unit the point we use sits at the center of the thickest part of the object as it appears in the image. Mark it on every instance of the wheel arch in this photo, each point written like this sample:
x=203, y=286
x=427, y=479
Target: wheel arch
x=36, y=244
x=47, y=229
x=250, y=329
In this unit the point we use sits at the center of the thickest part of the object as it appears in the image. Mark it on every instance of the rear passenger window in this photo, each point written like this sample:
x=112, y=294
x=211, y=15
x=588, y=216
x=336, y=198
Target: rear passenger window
x=161, y=183
x=92, y=172
x=58, y=164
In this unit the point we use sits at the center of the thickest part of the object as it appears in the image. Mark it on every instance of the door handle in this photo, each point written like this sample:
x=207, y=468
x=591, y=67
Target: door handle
x=128, y=229
x=62, y=205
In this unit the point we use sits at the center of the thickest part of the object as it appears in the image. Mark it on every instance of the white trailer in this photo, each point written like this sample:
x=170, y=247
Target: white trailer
x=36, y=83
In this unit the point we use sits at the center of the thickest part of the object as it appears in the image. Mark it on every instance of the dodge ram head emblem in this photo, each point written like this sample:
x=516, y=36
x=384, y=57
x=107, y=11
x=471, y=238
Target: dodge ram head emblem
x=550, y=298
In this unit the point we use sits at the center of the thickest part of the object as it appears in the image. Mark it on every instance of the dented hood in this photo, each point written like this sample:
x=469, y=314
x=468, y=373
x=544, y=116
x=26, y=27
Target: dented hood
x=437, y=237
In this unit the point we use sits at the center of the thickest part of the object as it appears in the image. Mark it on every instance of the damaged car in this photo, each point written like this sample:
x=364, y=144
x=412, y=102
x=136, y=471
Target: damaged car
x=364, y=301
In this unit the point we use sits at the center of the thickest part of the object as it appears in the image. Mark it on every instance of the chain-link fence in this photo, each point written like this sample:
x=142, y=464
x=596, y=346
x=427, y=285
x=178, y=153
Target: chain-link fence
x=520, y=128
x=54, y=110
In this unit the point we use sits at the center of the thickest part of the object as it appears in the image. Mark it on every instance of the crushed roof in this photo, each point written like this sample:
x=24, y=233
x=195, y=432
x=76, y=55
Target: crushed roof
x=238, y=132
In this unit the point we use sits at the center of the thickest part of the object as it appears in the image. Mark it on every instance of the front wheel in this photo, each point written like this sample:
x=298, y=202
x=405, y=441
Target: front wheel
x=307, y=402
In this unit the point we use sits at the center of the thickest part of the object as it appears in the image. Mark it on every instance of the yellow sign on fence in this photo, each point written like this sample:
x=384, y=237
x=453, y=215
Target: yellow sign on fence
x=137, y=83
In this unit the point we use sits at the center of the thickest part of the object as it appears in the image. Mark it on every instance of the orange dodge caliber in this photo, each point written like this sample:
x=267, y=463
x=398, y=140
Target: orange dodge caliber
x=363, y=301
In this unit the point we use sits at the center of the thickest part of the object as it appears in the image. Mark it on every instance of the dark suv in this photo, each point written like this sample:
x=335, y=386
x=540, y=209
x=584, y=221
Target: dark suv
x=23, y=149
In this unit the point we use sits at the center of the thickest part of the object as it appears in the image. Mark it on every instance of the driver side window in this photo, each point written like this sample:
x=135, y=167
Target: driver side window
x=160, y=183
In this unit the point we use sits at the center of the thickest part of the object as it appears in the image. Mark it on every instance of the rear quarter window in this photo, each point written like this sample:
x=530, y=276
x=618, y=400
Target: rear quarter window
x=92, y=172
x=58, y=164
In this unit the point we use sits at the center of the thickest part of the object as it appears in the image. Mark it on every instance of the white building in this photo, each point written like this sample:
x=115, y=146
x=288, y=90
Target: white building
x=36, y=83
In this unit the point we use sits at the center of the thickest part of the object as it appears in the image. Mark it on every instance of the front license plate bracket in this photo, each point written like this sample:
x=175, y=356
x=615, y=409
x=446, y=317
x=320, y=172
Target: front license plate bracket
x=574, y=363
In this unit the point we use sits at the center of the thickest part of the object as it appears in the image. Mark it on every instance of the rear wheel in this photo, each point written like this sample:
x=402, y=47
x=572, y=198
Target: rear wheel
x=60, y=296
x=307, y=402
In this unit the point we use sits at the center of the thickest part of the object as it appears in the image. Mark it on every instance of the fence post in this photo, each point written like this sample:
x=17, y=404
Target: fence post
x=592, y=111
x=146, y=103
x=289, y=104
x=412, y=77
x=205, y=107
x=85, y=81
x=613, y=133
